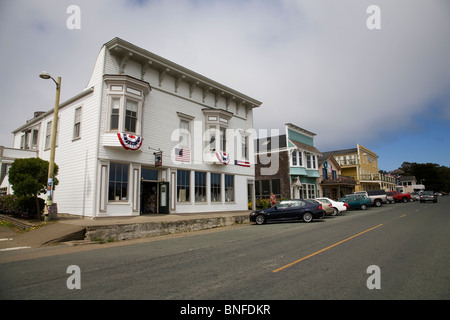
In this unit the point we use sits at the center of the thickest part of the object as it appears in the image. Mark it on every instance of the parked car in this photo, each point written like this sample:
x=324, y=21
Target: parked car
x=327, y=207
x=356, y=201
x=428, y=195
x=338, y=206
x=390, y=198
x=415, y=196
x=377, y=197
x=289, y=209
x=399, y=197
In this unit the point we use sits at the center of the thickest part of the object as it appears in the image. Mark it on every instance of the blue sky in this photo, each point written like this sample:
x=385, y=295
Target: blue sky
x=313, y=63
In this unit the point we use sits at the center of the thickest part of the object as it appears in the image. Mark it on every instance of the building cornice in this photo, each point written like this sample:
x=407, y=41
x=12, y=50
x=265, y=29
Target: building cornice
x=124, y=51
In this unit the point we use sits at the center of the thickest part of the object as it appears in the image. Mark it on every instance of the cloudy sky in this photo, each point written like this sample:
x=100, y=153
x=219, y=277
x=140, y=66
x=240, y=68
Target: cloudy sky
x=314, y=63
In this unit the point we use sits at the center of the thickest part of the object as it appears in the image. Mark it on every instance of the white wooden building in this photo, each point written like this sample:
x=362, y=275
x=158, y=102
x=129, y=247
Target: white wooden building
x=148, y=136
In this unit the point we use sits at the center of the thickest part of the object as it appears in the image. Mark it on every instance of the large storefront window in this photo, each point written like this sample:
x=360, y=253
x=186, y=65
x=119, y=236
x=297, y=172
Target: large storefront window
x=118, y=182
x=200, y=186
x=183, y=181
x=229, y=188
x=215, y=187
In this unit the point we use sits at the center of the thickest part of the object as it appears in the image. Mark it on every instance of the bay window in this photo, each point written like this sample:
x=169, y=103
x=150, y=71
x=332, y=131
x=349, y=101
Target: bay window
x=125, y=100
x=216, y=126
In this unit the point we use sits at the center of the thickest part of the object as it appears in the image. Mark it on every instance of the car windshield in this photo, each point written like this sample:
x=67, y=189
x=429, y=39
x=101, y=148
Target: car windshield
x=428, y=193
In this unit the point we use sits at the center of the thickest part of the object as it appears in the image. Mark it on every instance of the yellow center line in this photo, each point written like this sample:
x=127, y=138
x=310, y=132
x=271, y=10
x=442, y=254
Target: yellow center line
x=325, y=249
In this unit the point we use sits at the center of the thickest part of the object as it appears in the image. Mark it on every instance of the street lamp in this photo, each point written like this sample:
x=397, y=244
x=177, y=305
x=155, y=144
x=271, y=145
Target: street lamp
x=46, y=76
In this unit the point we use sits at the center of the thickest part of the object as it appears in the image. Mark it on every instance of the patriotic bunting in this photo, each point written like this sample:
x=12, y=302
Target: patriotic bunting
x=129, y=141
x=223, y=157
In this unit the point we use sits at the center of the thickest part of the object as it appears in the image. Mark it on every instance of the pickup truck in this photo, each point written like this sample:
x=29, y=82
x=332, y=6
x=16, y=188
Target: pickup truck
x=399, y=197
x=377, y=197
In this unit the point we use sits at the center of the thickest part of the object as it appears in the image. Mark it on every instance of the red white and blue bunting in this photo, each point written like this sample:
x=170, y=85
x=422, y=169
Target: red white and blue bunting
x=129, y=141
x=223, y=157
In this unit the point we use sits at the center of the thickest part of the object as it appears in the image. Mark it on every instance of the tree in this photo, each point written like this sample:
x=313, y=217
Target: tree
x=434, y=176
x=28, y=177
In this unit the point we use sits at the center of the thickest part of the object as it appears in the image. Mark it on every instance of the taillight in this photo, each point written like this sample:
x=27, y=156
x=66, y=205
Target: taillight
x=320, y=207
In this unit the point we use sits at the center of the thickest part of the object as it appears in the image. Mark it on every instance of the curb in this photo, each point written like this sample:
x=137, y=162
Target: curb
x=151, y=229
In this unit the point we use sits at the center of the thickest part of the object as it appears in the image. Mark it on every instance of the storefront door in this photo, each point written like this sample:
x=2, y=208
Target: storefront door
x=149, y=197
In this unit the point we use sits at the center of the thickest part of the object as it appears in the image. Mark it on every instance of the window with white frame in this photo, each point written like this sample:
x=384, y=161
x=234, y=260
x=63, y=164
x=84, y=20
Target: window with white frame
x=311, y=161
x=244, y=145
x=200, y=186
x=118, y=182
x=77, y=124
x=183, y=185
x=48, y=135
x=215, y=187
x=229, y=188
x=125, y=103
x=185, y=130
x=216, y=125
x=297, y=158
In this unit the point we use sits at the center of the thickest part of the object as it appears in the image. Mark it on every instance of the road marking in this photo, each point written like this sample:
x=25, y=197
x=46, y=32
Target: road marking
x=325, y=249
x=6, y=239
x=15, y=248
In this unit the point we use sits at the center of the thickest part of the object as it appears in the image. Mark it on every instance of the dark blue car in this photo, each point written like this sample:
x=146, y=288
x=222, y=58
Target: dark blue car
x=306, y=210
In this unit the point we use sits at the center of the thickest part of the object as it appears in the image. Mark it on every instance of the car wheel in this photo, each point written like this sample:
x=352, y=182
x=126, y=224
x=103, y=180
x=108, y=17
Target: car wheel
x=363, y=206
x=404, y=200
x=260, y=219
x=307, y=217
x=335, y=212
x=377, y=203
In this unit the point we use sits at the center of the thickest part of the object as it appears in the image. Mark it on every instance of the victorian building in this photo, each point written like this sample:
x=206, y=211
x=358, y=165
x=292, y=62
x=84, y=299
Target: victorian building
x=148, y=136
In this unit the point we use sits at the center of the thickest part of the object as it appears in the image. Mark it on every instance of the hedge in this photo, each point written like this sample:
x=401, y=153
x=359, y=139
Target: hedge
x=23, y=207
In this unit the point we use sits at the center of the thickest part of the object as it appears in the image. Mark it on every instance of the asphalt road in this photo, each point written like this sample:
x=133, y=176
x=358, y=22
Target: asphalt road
x=325, y=260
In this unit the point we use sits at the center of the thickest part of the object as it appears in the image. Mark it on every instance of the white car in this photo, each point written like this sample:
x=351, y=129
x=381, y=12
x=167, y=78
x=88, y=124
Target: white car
x=337, y=205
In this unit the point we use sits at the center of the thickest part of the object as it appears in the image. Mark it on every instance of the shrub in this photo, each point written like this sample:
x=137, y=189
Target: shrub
x=21, y=207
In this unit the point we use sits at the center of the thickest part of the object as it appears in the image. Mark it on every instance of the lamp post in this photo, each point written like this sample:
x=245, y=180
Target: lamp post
x=45, y=75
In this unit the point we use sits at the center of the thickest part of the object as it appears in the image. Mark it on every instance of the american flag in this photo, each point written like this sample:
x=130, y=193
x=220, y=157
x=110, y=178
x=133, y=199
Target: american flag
x=242, y=163
x=183, y=155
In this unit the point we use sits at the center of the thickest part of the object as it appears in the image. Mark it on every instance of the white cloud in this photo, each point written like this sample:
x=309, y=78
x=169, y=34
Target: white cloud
x=313, y=62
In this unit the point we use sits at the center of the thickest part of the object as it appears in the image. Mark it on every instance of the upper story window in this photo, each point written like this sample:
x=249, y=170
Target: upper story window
x=184, y=132
x=125, y=103
x=311, y=161
x=216, y=125
x=297, y=158
x=77, y=124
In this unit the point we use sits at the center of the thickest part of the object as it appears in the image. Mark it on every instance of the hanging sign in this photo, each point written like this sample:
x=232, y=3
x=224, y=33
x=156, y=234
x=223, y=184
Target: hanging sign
x=129, y=141
x=158, y=158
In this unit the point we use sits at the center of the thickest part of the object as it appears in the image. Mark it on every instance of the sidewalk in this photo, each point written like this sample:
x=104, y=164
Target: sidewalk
x=65, y=229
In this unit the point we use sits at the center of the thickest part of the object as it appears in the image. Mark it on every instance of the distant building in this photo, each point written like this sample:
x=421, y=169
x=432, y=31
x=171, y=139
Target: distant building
x=332, y=184
x=362, y=164
x=7, y=157
x=287, y=165
x=408, y=184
